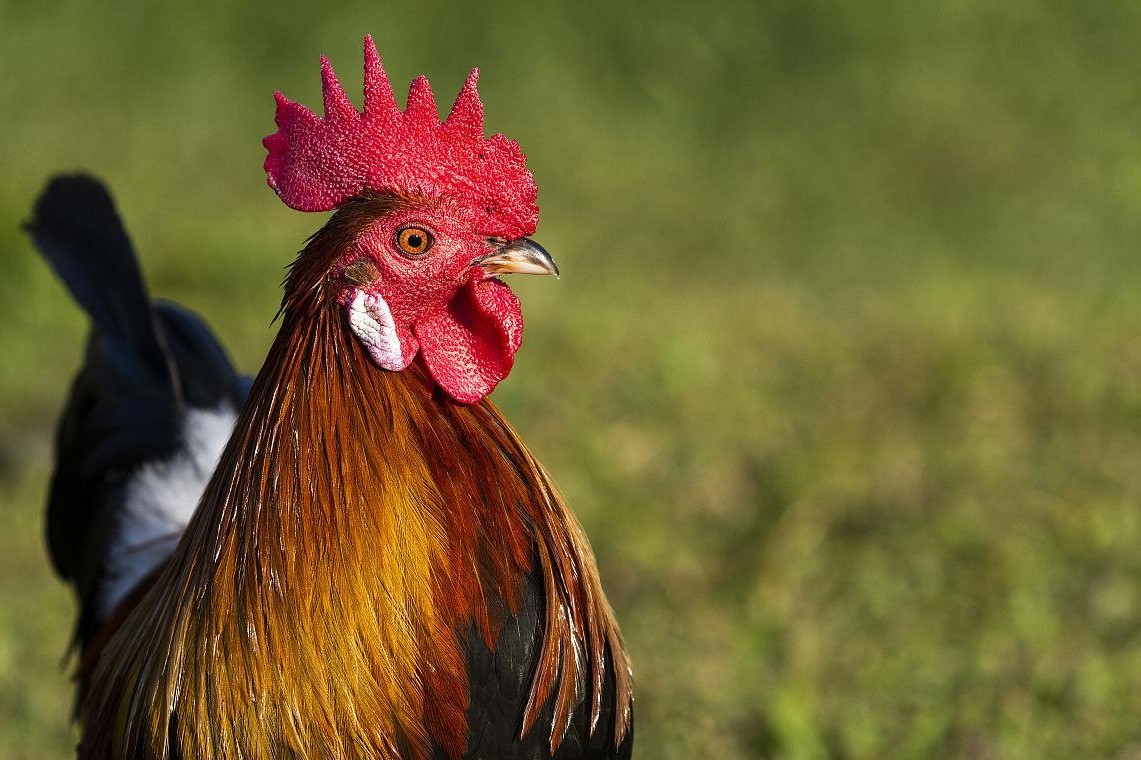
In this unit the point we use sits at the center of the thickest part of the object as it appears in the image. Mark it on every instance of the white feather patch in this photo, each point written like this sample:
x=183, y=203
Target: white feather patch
x=371, y=321
x=160, y=499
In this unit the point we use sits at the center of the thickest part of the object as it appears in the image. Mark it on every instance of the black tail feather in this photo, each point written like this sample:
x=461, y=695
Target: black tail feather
x=146, y=365
x=77, y=229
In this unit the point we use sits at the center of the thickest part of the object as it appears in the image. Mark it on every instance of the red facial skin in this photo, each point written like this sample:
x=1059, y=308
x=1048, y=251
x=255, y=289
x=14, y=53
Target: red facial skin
x=466, y=324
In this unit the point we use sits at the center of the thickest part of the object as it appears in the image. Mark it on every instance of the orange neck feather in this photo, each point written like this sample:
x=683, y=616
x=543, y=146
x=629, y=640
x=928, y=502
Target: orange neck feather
x=357, y=521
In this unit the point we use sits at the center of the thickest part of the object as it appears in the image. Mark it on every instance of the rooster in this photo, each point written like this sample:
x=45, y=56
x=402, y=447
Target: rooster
x=353, y=555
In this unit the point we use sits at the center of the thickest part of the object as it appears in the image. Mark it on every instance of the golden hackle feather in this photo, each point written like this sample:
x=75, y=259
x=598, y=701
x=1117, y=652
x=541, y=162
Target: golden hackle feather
x=358, y=521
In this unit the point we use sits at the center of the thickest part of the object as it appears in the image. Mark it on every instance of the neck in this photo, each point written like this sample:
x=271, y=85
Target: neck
x=357, y=521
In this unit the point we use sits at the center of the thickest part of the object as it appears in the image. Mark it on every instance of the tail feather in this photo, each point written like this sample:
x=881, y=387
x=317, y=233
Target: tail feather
x=150, y=372
x=77, y=229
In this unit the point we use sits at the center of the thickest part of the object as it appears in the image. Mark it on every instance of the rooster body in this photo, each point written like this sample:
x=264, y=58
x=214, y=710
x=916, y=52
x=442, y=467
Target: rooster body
x=376, y=567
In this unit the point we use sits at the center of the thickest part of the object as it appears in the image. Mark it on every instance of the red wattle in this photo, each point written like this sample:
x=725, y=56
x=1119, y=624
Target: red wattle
x=470, y=345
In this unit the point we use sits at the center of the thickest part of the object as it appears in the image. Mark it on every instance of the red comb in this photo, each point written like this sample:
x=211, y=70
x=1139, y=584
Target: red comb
x=316, y=163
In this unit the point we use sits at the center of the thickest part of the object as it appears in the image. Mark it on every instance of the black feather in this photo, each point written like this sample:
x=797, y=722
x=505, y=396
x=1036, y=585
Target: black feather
x=76, y=228
x=145, y=366
x=500, y=683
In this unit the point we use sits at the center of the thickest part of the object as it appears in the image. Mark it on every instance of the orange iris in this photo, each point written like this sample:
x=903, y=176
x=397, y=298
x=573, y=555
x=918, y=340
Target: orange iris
x=414, y=241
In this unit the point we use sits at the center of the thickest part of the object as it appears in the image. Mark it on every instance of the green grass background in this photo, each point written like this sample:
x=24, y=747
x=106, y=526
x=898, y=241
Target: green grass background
x=843, y=374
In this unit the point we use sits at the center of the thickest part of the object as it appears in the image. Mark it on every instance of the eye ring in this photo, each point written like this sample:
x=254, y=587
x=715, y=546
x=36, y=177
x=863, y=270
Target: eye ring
x=414, y=241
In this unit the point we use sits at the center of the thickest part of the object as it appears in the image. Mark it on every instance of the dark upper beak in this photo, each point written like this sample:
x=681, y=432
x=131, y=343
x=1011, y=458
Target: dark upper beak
x=522, y=256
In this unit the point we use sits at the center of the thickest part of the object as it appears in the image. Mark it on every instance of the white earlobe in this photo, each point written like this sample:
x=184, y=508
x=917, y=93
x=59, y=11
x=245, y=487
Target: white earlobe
x=371, y=321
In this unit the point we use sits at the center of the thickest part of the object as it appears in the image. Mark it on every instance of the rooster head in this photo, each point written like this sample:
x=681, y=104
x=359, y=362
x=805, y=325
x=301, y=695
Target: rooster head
x=454, y=211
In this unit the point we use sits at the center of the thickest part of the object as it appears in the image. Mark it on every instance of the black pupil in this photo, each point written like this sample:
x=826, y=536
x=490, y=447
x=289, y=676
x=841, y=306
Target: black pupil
x=415, y=241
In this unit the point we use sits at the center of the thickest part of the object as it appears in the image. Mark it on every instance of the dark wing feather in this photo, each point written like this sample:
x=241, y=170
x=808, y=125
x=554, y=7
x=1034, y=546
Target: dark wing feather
x=500, y=683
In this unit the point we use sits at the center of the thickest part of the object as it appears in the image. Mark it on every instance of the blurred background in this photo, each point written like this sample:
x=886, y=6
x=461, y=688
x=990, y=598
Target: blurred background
x=843, y=375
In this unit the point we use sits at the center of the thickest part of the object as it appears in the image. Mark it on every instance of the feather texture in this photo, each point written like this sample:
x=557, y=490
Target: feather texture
x=149, y=409
x=361, y=535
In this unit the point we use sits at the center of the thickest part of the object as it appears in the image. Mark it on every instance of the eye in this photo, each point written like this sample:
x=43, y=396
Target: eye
x=414, y=241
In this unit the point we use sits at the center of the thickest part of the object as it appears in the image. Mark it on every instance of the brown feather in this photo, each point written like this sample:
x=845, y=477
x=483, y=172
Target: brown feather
x=357, y=521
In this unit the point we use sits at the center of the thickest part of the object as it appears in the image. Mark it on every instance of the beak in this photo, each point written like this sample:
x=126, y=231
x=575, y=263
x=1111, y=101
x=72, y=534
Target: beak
x=522, y=256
